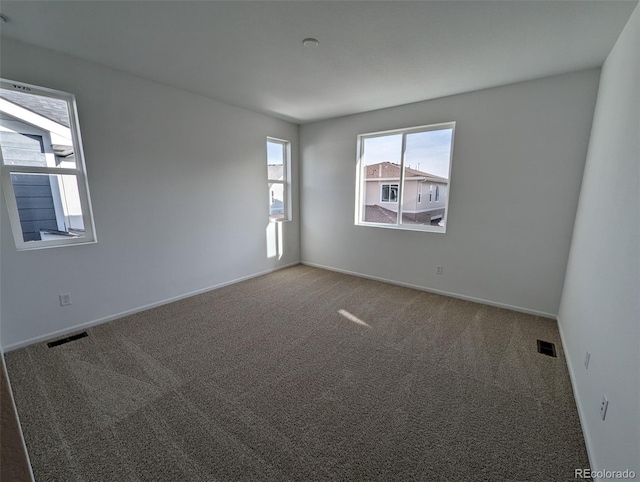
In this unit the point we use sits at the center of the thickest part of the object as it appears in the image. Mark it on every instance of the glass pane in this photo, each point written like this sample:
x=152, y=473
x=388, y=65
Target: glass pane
x=427, y=159
x=35, y=130
x=48, y=206
x=276, y=201
x=381, y=178
x=385, y=193
x=275, y=161
x=393, y=193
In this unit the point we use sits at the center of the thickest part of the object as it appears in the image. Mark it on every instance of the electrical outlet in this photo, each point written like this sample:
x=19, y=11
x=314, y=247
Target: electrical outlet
x=65, y=299
x=586, y=361
x=603, y=407
x=439, y=269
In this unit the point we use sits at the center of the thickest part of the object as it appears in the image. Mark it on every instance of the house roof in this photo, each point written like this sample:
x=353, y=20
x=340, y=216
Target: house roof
x=392, y=170
x=55, y=110
x=378, y=214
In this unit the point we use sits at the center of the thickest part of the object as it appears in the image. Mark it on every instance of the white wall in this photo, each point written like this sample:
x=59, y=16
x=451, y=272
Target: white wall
x=179, y=193
x=517, y=167
x=600, y=309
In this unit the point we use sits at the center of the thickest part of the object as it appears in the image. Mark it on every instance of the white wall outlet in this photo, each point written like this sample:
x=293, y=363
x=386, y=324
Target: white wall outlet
x=603, y=407
x=586, y=360
x=439, y=269
x=65, y=299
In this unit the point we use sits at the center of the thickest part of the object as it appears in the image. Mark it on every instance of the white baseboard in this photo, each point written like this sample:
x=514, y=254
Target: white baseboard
x=585, y=432
x=99, y=321
x=438, y=292
x=15, y=409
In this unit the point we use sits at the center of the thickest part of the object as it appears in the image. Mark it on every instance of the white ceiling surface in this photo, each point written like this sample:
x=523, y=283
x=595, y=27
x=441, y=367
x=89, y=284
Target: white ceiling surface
x=371, y=54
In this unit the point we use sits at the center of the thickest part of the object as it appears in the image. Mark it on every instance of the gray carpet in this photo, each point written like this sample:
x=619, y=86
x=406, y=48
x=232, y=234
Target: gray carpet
x=14, y=465
x=303, y=374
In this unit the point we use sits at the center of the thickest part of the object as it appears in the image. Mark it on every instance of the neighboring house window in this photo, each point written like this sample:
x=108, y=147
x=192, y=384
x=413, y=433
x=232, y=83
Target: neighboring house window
x=42, y=165
x=278, y=169
x=389, y=193
x=392, y=168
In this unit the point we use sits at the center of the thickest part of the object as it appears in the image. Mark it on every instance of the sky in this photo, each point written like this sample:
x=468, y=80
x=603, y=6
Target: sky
x=426, y=151
x=274, y=153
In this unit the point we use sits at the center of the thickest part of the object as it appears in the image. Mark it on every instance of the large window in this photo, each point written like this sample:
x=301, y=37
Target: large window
x=394, y=167
x=278, y=155
x=42, y=167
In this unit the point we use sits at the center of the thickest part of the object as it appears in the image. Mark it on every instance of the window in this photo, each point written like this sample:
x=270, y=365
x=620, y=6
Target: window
x=278, y=154
x=42, y=167
x=394, y=167
x=389, y=193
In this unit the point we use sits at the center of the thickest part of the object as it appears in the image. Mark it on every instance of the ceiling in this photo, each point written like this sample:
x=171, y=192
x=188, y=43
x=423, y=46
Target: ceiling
x=371, y=54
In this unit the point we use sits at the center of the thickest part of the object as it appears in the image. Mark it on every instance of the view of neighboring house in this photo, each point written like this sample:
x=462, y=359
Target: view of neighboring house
x=424, y=195
x=35, y=132
x=276, y=190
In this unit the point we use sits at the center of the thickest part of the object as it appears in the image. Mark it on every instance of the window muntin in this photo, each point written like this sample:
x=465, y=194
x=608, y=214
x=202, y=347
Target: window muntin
x=279, y=188
x=410, y=159
x=42, y=165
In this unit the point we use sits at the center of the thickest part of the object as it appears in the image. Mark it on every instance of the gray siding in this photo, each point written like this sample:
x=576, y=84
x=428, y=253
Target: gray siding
x=35, y=204
x=22, y=149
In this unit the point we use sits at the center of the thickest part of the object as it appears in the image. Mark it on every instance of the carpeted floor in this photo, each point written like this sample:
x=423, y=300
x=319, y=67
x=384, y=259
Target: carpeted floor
x=14, y=465
x=302, y=374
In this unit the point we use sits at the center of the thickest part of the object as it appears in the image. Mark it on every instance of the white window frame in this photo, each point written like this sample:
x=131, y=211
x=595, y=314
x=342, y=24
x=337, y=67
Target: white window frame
x=382, y=190
x=285, y=181
x=79, y=172
x=360, y=179
x=420, y=193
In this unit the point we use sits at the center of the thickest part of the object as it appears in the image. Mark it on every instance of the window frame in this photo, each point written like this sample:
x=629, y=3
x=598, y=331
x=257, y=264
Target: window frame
x=361, y=178
x=390, y=187
x=285, y=181
x=79, y=172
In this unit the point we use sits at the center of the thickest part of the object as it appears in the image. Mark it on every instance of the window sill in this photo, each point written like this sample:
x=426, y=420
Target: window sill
x=406, y=227
x=52, y=244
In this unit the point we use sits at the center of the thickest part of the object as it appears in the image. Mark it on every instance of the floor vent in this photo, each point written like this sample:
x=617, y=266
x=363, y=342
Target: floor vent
x=546, y=348
x=62, y=341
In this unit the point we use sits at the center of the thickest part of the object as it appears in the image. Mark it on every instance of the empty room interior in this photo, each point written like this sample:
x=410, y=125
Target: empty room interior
x=320, y=240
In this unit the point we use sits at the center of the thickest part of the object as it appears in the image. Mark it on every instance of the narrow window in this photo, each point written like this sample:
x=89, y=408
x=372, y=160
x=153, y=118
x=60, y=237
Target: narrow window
x=392, y=168
x=42, y=164
x=278, y=154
